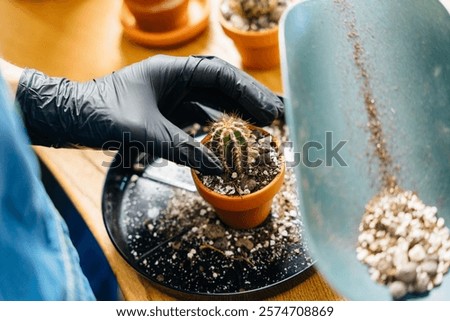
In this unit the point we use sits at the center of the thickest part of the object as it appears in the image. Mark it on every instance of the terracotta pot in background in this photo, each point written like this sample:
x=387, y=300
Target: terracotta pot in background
x=159, y=15
x=242, y=212
x=258, y=49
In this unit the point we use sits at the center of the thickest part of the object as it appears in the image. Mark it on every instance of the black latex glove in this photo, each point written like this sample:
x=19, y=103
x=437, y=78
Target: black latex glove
x=146, y=102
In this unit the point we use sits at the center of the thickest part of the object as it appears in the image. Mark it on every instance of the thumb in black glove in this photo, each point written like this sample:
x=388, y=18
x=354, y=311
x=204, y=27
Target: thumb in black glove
x=148, y=100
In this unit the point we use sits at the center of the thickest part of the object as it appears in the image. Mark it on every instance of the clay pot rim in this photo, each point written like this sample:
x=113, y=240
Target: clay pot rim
x=247, y=33
x=197, y=23
x=247, y=197
x=153, y=7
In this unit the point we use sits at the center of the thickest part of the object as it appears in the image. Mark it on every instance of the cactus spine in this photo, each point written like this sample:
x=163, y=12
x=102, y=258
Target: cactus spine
x=232, y=141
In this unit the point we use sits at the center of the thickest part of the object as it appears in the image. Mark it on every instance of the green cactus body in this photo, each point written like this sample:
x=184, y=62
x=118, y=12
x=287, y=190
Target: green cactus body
x=249, y=156
x=231, y=141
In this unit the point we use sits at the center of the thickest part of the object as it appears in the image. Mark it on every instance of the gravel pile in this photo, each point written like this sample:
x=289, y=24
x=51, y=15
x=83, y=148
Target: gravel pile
x=404, y=243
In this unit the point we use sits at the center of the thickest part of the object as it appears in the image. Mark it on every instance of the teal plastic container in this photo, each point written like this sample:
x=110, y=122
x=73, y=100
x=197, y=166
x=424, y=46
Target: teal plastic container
x=407, y=56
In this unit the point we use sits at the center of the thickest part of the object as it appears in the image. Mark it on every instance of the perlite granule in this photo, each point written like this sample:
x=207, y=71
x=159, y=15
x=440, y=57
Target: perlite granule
x=404, y=243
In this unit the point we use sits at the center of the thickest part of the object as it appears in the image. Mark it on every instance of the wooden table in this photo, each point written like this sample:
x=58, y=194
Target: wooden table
x=82, y=39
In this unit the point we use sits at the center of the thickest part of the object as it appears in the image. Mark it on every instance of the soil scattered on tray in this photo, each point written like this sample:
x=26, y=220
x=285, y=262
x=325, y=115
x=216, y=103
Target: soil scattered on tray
x=198, y=219
x=402, y=241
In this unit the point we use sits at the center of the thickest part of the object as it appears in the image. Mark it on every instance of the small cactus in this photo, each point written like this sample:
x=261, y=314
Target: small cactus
x=249, y=155
x=232, y=141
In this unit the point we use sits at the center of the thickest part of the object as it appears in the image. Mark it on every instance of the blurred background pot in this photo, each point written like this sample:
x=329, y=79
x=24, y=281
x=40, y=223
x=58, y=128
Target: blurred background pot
x=159, y=15
x=258, y=49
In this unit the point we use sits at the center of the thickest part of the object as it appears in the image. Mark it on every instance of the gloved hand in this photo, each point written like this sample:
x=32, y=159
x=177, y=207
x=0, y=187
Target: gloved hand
x=147, y=101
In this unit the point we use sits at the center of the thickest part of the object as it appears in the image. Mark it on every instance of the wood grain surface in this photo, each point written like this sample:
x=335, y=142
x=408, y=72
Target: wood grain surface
x=82, y=39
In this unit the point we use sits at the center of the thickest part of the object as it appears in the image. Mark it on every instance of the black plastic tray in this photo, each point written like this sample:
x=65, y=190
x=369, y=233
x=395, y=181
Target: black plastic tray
x=132, y=200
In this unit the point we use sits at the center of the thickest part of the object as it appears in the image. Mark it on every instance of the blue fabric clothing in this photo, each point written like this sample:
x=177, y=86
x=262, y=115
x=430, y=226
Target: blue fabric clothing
x=37, y=258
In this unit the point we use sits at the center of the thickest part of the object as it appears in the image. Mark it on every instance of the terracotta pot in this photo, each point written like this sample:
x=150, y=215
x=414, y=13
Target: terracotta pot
x=258, y=49
x=242, y=212
x=159, y=15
